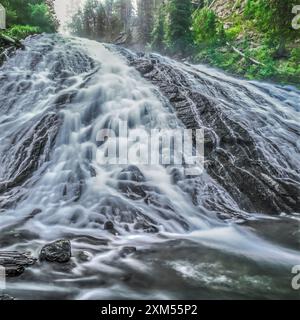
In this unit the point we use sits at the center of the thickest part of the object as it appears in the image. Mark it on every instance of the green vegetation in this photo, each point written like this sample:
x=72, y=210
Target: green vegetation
x=106, y=19
x=21, y=32
x=251, y=38
x=259, y=42
x=29, y=17
x=159, y=30
x=178, y=33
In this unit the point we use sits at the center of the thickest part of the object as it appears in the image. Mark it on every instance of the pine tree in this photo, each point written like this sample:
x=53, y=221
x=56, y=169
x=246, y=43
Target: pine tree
x=89, y=18
x=205, y=24
x=100, y=18
x=273, y=18
x=125, y=13
x=158, y=33
x=109, y=18
x=37, y=13
x=179, y=33
x=145, y=20
x=281, y=22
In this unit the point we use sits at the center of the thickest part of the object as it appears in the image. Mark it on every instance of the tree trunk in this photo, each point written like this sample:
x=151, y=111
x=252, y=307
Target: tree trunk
x=281, y=52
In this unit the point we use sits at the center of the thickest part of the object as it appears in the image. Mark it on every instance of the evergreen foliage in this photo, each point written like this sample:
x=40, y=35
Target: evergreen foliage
x=38, y=14
x=262, y=32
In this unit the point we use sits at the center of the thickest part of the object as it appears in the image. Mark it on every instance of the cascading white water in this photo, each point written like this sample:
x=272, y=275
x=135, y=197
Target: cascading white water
x=114, y=92
x=57, y=95
x=272, y=112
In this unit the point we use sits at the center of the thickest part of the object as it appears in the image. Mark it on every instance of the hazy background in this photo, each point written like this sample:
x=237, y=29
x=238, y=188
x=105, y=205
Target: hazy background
x=65, y=8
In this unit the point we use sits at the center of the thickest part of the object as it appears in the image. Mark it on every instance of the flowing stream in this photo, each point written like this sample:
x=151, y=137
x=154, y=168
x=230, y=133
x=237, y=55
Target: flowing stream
x=55, y=97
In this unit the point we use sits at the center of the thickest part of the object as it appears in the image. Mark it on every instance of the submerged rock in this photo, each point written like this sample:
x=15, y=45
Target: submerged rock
x=84, y=256
x=144, y=67
x=127, y=251
x=15, y=262
x=110, y=227
x=145, y=227
x=58, y=251
x=132, y=183
x=132, y=173
x=6, y=297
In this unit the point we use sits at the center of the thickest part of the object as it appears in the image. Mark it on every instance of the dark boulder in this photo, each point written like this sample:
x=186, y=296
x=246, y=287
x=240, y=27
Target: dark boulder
x=126, y=251
x=145, y=66
x=110, y=227
x=58, y=251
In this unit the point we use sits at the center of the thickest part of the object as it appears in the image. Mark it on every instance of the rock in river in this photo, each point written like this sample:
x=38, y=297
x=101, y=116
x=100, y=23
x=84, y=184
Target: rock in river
x=58, y=251
x=15, y=262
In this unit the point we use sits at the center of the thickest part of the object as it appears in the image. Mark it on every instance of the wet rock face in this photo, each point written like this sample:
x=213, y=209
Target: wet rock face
x=58, y=251
x=31, y=147
x=132, y=173
x=145, y=227
x=233, y=158
x=6, y=297
x=110, y=227
x=10, y=45
x=132, y=183
x=15, y=263
x=145, y=66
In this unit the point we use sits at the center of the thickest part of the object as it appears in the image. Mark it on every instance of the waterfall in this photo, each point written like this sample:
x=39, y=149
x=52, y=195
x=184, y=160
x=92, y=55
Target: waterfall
x=55, y=98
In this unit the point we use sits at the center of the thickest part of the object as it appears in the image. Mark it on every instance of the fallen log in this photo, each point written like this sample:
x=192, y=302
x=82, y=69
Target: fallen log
x=245, y=56
x=211, y=5
x=8, y=42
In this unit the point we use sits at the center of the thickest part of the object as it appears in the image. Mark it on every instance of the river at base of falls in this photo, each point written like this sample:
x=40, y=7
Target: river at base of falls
x=54, y=98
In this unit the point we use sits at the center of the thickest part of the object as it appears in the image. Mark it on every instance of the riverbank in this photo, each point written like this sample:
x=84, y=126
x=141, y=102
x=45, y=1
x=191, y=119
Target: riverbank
x=7, y=46
x=10, y=39
x=241, y=58
x=238, y=37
